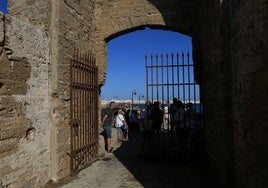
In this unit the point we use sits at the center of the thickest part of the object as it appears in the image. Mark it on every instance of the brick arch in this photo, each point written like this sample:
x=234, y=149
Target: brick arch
x=117, y=18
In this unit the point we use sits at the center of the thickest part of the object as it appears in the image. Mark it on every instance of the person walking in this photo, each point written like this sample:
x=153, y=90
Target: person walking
x=172, y=111
x=121, y=125
x=146, y=129
x=181, y=132
x=166, y=116
x=107, y=124
x=157, y=115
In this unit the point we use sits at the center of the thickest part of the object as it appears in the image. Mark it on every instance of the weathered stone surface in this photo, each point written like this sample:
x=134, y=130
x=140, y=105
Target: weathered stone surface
x=250, y=26
x=233, y=73
x=13, y=125
x=2, y=34
x=8, y=146
x=33, y=12
x=13, y=75
x=73, y=15
x=13, y=119
x=24, y=102
x=6, y=170
x=116, y=17
x=230, y=44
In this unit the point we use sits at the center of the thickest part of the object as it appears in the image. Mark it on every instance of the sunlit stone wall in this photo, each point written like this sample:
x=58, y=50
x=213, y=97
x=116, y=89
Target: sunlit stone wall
x=36, y=44
x=24, y=104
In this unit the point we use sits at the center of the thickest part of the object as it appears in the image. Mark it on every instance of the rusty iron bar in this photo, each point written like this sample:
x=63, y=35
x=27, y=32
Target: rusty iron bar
x=83, y=110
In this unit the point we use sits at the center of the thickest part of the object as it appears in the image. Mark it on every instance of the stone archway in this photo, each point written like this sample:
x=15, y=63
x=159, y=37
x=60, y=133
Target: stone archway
x=230, y=56
x=115, y=18
x=119, y=17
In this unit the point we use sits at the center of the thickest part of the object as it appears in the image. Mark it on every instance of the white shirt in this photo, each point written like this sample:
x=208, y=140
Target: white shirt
x=166, y=111
x=119, y=120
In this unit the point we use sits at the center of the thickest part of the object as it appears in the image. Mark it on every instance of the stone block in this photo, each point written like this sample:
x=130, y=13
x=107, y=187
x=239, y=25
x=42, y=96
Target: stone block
x=13, y=76
x=34, y=12
x=6, y=169
x=10, y=128
x=8, y=146
x=11, y=108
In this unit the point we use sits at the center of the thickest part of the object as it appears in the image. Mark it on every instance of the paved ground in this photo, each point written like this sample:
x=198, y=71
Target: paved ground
x=125, y=169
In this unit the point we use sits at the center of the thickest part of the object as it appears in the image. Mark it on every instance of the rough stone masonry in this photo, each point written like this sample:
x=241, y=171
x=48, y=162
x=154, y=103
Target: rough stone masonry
x=37, y=39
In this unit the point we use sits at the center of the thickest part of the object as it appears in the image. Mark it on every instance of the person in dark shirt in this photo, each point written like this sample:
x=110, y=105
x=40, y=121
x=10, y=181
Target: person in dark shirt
x=157, y=116
x=107, y=124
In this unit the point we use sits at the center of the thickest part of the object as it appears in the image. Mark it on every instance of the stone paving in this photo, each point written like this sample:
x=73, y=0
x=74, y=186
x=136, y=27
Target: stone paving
x=125, y=169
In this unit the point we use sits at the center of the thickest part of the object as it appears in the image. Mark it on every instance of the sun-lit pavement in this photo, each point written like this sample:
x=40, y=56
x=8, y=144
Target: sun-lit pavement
x=105, y=173
x=124, y=168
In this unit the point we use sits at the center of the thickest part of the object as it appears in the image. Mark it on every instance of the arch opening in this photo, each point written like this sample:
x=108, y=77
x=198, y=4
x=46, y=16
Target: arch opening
x=126, y=52
x=126, y=82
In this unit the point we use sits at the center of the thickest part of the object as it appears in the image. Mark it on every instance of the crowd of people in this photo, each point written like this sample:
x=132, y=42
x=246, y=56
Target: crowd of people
x=176, y=118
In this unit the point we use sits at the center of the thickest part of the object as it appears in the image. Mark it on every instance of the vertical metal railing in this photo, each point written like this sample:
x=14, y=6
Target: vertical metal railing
x=172, y=76
x=83, y=110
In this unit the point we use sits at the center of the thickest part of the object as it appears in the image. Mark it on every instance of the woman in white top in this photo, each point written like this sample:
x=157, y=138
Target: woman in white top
x=121, y=123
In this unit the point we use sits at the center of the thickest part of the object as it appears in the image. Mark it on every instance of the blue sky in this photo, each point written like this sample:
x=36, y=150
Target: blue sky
x=126, y=58
x=3, y=6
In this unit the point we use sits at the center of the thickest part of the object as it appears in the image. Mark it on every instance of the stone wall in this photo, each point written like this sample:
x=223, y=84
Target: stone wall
x=230, y=52
x=69, y=23
x=35, y=12
x=249, y=44
x=71, y=26
x=216, y=84
x=24, y=104
x=114, y=18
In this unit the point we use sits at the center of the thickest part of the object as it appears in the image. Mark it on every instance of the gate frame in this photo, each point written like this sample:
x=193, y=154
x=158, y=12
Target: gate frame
x=175, y=63
x=84, y=91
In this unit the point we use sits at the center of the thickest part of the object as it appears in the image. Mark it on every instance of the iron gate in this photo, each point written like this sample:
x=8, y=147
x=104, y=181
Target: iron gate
x=83, y=110
x=167, y=77
x=171, y=76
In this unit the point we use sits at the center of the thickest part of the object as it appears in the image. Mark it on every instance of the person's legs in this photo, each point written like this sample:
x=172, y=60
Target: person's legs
x=109, y=144
x=106, y=143
x=172, y=125
x=124, y=129
x=126, y=132
x=108, y=134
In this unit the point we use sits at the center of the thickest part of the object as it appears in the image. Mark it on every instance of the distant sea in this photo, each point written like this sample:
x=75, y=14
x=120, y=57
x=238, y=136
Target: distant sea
x=198, y=108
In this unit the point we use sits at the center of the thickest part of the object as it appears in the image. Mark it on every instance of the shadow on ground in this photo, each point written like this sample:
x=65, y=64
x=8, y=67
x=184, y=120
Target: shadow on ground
x=165, y=168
